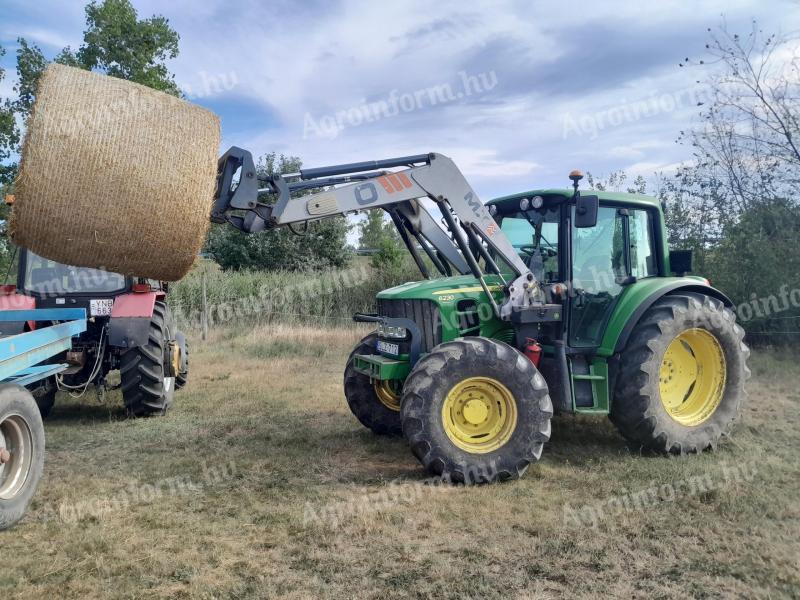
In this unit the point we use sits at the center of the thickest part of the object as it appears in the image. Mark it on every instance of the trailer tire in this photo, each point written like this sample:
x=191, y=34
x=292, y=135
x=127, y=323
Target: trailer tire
x=146, y=387
x=372, y=405
x=680, y=386
x=22, y=435
x=475, y=410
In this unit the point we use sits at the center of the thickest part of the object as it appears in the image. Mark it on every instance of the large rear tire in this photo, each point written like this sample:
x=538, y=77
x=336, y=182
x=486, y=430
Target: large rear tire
x=147, y=387
x=476, y=410
x=21, y=452
x=680, y=386
x=376, y=404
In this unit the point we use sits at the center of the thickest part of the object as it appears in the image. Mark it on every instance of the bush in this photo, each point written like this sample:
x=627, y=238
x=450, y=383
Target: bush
x=325, y=297
x=389, y=257
x=757, y=264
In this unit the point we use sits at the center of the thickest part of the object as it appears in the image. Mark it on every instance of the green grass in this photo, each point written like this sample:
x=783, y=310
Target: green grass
x=260, y=483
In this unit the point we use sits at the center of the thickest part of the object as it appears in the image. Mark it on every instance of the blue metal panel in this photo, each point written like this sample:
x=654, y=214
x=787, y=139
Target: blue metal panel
x=36, y=373
x=44, y=314
x=18, y=353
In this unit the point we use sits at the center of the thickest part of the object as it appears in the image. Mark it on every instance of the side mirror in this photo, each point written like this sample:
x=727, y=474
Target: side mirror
x=680, y=261
x=586, y=211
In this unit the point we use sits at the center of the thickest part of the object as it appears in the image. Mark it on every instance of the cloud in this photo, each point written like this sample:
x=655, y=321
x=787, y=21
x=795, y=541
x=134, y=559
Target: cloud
x=319, y=58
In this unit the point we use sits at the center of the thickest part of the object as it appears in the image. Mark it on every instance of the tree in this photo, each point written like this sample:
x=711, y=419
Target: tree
x=736, y=202
x=9, y=138
x=321, y=245
x=118, y=44
x=374, y=229
x=30, y=65
x=615, y=181
x=9, y=135
x=757, y=257
x=115, y=43
x=746, y=150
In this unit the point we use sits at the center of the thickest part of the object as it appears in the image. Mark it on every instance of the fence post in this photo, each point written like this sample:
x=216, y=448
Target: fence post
x=204, y=315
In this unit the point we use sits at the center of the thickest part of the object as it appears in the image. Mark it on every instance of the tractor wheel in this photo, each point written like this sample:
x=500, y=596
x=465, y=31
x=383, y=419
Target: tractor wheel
x=475, y=410
x=147, y=386
x=21, y=452
x=182, y=378
x=681, y=381
x=376, y=404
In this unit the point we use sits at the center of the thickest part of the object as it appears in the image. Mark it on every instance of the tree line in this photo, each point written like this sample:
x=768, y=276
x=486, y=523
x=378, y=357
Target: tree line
x=733, y=201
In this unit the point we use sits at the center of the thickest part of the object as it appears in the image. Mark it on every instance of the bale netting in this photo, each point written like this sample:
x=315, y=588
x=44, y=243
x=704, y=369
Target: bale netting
x=115, y=175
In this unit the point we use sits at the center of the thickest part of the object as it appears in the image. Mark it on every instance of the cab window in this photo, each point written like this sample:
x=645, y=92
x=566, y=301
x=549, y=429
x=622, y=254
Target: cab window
x=643, y=256
x=44, y=276
x=597, y=270
x=534, y=234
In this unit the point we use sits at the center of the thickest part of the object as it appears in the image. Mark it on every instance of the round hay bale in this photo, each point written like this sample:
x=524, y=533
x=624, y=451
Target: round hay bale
x=115, y=175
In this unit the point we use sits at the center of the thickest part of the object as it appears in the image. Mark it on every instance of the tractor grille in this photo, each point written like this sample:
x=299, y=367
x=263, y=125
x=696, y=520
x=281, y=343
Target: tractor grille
x=425, y=313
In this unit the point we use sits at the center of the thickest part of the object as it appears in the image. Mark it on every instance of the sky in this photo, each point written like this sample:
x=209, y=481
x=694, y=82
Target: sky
x=517, y=93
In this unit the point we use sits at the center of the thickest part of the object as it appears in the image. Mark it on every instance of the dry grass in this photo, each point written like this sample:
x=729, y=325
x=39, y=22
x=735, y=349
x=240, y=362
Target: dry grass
x=294, y=499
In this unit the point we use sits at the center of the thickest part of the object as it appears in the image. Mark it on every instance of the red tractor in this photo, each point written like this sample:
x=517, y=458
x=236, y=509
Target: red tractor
x=130, y=328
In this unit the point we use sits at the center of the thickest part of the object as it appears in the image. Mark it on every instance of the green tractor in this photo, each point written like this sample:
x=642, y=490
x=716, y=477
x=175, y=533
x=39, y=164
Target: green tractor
x=543, y=301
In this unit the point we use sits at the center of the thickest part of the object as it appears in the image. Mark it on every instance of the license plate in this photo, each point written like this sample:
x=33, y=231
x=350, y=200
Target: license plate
x=100, y=308
x=388, y=348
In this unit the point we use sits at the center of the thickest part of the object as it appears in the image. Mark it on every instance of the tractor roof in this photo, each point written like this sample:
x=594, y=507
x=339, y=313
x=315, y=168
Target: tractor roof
x=634, y=199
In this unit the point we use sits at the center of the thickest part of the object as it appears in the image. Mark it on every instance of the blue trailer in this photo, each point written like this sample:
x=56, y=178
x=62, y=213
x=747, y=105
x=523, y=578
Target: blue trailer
x=24, y=359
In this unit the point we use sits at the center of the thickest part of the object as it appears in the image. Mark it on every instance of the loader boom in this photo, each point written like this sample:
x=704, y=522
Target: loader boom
x=348, y=188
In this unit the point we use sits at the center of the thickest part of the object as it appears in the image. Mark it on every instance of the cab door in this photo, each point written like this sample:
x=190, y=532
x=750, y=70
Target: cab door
x=606, y=258
x=598, y=271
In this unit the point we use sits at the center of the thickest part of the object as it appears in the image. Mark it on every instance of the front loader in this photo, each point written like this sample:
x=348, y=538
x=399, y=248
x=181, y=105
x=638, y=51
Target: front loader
x=542, y=301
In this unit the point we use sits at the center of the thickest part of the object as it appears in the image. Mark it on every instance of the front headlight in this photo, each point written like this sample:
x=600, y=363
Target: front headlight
x=389, y=331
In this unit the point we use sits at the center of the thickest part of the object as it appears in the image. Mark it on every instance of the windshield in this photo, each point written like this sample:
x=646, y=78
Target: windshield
x=534, y=235
x=44, y=276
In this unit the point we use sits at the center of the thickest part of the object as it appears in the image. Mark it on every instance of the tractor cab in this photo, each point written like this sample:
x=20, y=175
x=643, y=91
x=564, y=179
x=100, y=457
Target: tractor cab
x=587, y=268
x=53, y=285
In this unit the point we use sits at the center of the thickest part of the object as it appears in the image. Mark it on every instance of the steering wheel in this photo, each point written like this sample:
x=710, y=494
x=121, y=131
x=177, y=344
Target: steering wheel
x=529, y=249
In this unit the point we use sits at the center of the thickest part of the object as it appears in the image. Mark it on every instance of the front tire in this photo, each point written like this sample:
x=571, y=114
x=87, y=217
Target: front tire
x=376, y=404
x=680, y=386
x=476, y=410
x=21, y=452
x=147, y=387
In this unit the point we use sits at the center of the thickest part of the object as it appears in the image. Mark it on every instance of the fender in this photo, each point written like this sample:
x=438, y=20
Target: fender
x=129, y=325
x=639, y=297
x=11, y=299
x=181, y=339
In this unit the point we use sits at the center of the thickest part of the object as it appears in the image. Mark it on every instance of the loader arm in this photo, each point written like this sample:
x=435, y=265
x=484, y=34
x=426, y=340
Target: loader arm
x=348, y=188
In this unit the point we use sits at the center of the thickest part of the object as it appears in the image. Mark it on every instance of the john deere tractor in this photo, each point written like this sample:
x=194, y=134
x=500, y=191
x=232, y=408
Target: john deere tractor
x=542, y=301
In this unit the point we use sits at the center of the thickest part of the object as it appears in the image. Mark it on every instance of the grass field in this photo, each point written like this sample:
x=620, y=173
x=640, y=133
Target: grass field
x=261, y=484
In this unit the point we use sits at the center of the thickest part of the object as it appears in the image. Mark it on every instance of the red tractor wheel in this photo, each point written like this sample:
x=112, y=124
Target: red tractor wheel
x=147, y=384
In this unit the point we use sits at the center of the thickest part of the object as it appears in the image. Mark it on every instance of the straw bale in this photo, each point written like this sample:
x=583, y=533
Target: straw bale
x=115, y=175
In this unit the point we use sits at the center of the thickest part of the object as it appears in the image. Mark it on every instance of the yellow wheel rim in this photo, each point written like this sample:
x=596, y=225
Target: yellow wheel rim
x=388, y=393
x=479, y=414
x=692, y=377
